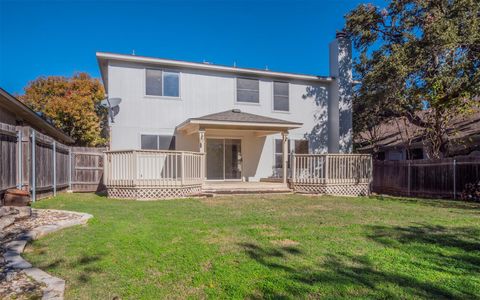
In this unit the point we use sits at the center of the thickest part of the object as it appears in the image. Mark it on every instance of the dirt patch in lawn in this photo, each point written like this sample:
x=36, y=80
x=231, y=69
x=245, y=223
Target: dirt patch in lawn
x=214, y=201
x=227, y=241
x=285, y=243
x=266, y=230
x=318, y=207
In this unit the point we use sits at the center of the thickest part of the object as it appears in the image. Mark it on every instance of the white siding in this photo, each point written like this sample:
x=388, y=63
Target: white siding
x=203, y=93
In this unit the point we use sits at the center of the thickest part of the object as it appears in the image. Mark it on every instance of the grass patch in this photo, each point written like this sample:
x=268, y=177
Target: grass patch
x=277, y=246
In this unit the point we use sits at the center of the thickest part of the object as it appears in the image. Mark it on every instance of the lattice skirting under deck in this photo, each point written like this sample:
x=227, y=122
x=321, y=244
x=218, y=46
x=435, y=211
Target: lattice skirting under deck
x=139, y=193
x=361, y=189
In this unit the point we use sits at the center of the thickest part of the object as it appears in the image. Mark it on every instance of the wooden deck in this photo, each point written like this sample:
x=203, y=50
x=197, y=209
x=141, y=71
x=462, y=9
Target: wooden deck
x=149, y=174
x=238, y=187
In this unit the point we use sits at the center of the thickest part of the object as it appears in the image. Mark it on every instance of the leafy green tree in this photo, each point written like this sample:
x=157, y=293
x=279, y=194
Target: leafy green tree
x=72, y=104
x=417, y=53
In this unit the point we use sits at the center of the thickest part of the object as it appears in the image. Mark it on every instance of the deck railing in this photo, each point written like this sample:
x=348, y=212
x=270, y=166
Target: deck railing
x=151, y=168
x=331, y=168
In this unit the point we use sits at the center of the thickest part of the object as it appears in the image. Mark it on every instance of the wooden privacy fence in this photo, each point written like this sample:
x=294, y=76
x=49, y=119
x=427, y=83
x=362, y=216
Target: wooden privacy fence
x=441, y=178
x=8, y=157
x=340, y=174
x=149, y=174
x=32, y=161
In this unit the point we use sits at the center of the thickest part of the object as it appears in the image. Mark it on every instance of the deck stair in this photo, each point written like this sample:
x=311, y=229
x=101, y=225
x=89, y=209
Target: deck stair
x=237, y=187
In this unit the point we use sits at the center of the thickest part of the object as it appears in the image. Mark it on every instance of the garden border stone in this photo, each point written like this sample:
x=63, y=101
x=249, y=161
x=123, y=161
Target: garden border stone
x=55, y=286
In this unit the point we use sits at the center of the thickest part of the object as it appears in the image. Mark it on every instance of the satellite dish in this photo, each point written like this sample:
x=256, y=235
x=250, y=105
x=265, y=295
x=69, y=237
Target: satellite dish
x=112, y=105
x=114, y=101
x=111, y=102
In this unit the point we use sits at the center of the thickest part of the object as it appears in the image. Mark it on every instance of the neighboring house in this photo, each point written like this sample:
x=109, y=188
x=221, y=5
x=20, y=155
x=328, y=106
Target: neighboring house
x=13, y=112
x=245, y=120
x=463, y=139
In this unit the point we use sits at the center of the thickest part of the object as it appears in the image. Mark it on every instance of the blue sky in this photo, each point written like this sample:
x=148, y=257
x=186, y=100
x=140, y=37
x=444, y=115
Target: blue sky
x=61, y=37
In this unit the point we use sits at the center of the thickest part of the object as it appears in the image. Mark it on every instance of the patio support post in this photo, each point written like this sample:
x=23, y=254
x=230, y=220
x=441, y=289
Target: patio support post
x=201, y=142
x=285, y=155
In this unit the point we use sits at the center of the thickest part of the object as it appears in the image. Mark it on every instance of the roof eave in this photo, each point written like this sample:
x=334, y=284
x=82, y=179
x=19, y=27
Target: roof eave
x=240, y=124
x=103, y=66
x=21, y=109
x=210, y=67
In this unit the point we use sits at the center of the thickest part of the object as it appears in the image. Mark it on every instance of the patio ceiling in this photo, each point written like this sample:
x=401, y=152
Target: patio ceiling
x=236, y=120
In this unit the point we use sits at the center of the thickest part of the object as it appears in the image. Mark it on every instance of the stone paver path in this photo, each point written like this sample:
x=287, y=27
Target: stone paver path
x=18, y=278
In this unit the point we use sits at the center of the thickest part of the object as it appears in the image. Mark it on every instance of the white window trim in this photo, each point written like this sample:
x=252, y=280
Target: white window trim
x=289, y=146
x=179, y=98
x=292, y=148
x=235, y=91
x=273, y=98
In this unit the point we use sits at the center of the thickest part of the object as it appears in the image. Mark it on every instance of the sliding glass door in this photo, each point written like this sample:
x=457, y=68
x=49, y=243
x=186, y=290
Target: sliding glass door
x=224, y=159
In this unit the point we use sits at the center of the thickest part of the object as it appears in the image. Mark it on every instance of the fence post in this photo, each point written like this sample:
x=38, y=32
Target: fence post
x=19, y=159
x=408, y=174
x=183, y=167
x=54, y=148
x=326, y=168
x=32, y=158
x=454, y=179
x=135, y=167
x=294, y=167
x=70, y=169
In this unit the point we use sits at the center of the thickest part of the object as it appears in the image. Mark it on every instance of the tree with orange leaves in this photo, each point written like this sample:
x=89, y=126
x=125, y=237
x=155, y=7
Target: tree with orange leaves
x=72, y=104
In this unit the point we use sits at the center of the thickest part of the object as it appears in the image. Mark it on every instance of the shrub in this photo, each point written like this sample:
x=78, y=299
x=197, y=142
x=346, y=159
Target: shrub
x=471, y=192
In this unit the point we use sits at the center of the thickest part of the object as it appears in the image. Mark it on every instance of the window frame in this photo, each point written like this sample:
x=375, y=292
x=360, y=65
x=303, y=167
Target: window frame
x=163, y=70
x=290, y=150
x=235, y=91
x=275, y=153
x=273, y=97
x=158, y=141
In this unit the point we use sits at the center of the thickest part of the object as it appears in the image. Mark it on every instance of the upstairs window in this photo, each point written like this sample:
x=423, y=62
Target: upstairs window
x=280, y=96
x=248, y=90
x=157, y=142
x=162, y=83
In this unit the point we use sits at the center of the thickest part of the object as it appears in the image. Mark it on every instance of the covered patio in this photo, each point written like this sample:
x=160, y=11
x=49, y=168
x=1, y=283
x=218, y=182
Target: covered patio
x=232, y=142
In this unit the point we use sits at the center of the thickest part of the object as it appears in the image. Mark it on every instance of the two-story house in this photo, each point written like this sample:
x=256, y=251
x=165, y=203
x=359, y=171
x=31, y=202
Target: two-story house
x=244, y=120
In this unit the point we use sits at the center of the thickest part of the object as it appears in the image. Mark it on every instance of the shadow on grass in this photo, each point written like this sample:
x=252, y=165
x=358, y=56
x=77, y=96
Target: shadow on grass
x=463, y=238
x=84, y=265
x=433, y=242
x=441, y=203
x=343, y=274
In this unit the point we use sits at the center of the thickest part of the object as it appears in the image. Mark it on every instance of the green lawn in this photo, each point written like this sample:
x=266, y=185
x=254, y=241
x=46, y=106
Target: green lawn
x=259, y=246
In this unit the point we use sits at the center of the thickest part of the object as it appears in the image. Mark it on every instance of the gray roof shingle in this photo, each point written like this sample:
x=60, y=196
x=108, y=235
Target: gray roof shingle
x=235, y=115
